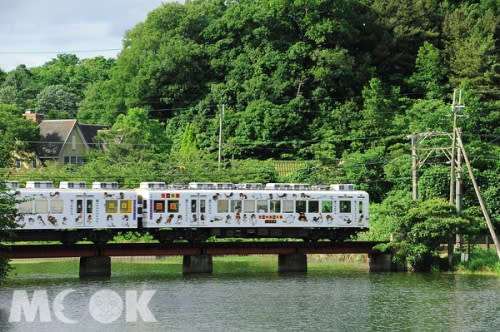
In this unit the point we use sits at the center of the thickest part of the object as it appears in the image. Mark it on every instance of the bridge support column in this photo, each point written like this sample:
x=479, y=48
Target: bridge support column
x=292, y=263
x=197, y=264
x=379, y=262
x=95, y=266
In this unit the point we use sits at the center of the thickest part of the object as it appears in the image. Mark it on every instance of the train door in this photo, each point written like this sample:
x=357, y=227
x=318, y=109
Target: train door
x=85, y=210
x=198, y=208
x=346, y=207
x=358, y=210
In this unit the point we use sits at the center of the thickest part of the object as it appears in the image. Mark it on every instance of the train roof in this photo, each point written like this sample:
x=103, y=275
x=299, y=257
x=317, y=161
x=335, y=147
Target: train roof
x=275, y=186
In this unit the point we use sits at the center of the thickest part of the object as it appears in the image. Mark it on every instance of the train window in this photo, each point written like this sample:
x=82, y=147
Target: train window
x=249, y=206
x=287, y=206
x=57, y=206
x=173, y=205
x=111, y=206
x=42, y=206
x=193, y=206
x=202, y=206
x=235, y=205
x=79, y=206
x=275, y=206
x=126, y=206
x=326, y=206
x=345, y=206
x=25, y=207
x=300, y=206
x=313, y=206
x=360, y=207
x=159, y=206
x=262, y=206
x=222, y=206
x=89, y=206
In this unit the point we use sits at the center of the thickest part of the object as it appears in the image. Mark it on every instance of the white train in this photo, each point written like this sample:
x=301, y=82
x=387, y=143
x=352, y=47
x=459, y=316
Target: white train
x=198, y=210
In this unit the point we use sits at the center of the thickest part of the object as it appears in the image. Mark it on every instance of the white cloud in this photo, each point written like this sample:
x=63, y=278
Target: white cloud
x=30, y=27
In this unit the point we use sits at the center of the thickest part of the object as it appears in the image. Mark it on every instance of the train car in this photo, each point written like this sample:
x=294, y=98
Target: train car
x=189, y=212
x=277, y=205
x=73, y=206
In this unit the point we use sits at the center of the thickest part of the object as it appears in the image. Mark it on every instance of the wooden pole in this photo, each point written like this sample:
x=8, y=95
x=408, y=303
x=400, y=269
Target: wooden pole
x=478, y=194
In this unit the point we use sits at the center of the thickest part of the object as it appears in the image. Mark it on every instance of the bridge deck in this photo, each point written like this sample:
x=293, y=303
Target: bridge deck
x=187, y=249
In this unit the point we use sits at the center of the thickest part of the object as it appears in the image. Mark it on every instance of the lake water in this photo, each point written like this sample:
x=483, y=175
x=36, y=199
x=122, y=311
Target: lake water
x=266, y=301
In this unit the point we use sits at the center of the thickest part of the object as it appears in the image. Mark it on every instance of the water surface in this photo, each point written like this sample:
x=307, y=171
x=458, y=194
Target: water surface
x=268, y=301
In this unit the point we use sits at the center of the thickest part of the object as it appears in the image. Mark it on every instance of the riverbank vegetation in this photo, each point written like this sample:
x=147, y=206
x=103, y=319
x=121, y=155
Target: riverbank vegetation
x=333, y=85
x=7, y=210
x=480, y=260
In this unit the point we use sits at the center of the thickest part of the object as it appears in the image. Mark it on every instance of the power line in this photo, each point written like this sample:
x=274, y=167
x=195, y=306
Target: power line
x=61, y=52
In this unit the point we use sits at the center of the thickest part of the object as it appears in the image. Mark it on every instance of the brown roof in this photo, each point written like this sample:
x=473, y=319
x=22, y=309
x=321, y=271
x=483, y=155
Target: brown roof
x=53, y=135
x=89, y=133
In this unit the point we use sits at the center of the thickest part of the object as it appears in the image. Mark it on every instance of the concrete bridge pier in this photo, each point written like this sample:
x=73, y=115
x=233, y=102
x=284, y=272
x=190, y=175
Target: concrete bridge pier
x=95, y=266
x=380, y=262
x=292, y=263
x=197, y=264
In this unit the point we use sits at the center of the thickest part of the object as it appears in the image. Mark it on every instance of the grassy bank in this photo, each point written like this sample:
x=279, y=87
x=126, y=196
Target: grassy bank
x=152, y=266
x=480, y=261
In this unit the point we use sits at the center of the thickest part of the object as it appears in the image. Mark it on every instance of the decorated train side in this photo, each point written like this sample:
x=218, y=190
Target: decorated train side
x=206, y=209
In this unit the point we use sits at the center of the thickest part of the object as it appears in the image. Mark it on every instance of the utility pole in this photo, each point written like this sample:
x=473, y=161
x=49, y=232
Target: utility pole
x=459, y=170
x=221, y=119
x=458, y=196
x=478, y=194
x=455, y=108
x=414, y=166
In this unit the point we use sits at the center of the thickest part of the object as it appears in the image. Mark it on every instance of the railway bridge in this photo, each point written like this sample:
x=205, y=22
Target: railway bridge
x=95, y=259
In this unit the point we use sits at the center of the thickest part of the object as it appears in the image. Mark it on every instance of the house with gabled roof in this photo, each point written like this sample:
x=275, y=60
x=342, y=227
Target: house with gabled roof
x=65, y=141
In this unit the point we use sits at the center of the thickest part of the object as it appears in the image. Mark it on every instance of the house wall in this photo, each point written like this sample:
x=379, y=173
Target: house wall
x=73, y=149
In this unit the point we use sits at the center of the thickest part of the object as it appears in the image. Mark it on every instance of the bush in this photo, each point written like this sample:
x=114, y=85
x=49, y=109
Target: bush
x=481, y=260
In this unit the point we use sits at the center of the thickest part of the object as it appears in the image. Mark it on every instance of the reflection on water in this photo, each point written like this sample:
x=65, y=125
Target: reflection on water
x=318, y=301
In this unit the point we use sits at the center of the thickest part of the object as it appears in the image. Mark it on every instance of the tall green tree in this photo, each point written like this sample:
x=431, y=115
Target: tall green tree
x=17, y=136
x=429, y=77
x=380, y=105
x=7, y=215
x=134, y=134
x=471, y=38
x=19, y=88
x=57, y=102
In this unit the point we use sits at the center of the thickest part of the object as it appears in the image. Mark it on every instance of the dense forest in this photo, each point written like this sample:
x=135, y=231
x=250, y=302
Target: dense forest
x=338, y=85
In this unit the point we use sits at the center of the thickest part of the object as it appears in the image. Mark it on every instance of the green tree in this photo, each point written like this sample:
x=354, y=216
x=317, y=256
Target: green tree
x=406, y=24
x=2, y=76
x=57, y=102
x=17, y=136
x=417, y=228
x=19, y=88
x=430, y=72
x=188, y=147
x=58, y=71
x=135, y=134
x=366, y=170
x=380, y=105
x=471, y=40
x=7, y=215
x=102, y=104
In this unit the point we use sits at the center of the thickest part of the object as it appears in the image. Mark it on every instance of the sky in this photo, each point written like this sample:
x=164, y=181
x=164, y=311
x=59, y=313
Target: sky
x=33, y=32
